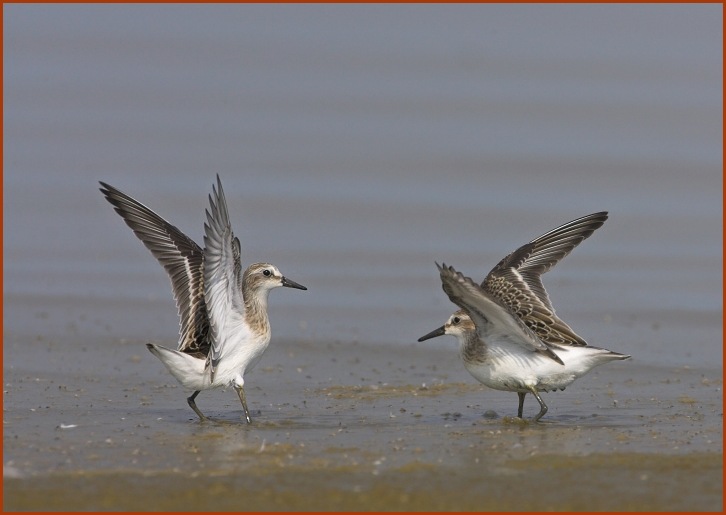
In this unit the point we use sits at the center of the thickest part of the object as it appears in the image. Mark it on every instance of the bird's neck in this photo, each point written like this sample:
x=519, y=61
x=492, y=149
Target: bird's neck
x=256, y=310
x=472, y=348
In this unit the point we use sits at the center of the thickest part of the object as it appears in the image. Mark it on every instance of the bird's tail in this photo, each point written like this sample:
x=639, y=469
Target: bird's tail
x=188, y=370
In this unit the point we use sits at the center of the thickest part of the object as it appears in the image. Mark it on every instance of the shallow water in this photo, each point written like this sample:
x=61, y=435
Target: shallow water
x=357, y=145
x=344, y=426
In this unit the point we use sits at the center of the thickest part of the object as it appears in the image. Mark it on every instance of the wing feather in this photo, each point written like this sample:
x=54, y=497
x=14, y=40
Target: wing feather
x=222, y=276
x=182, y=259
x=515, y=281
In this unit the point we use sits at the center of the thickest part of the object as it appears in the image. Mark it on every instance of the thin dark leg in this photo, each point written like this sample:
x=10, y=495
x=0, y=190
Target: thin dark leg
x=243, y=400
x=193, y=405
x=521, y=403
x=541, y=403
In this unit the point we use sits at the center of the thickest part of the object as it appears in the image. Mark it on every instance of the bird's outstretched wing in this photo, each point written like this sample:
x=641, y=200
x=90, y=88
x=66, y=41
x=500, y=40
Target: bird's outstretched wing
x=516, y=282
x=182, y=259
x=222, y=277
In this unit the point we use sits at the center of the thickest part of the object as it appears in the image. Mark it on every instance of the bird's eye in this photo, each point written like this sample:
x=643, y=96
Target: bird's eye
x=266, y=273
x=457, y=320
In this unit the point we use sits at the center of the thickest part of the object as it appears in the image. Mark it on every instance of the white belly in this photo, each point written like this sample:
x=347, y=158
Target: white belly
x=239, y=357
x=512, y=368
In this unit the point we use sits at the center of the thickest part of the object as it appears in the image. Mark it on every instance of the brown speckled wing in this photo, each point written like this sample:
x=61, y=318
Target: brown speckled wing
x=182, y=259
x=516, y=283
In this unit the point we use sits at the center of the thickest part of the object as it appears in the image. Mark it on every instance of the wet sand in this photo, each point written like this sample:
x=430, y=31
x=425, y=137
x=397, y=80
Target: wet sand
x=346, y=426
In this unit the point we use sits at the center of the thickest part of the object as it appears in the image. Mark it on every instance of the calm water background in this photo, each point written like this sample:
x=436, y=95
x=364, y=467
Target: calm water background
x=359, y=144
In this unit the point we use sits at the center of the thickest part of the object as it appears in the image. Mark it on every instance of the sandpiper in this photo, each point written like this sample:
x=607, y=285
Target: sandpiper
x=224, y=329
x=509, y=336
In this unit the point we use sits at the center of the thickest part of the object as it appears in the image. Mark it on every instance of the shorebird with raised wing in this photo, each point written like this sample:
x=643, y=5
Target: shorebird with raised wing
x=224, y=329
x=509, y=335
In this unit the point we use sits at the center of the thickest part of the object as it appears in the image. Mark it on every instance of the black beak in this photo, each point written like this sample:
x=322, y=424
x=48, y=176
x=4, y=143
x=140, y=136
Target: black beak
x=433, y=334
x=292, y=284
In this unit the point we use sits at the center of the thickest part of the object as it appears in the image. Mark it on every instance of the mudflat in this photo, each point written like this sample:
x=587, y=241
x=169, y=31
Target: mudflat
x=96, y=425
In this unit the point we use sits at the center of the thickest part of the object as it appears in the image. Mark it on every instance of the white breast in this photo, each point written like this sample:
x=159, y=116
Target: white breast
x=242, y=350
